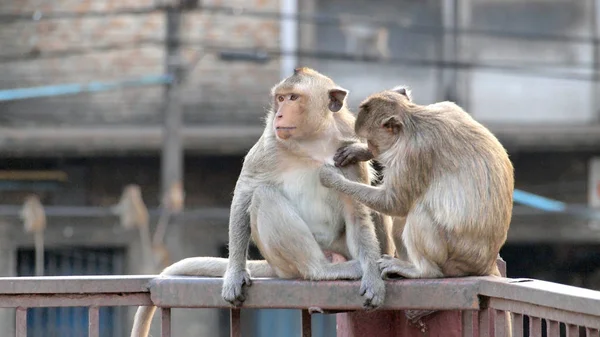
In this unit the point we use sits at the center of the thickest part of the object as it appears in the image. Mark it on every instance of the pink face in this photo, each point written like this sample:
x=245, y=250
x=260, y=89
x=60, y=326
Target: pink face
x=289, y=117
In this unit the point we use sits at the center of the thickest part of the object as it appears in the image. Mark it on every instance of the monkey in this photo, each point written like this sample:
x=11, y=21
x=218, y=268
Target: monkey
x=172, y=203
x=34, y=221
x=279, y=203
x=446, y=176
x=364, y=37
x=445, y=172
x=133, y=213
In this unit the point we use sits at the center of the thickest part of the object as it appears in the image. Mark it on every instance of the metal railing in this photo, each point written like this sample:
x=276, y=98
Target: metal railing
x=481, y=300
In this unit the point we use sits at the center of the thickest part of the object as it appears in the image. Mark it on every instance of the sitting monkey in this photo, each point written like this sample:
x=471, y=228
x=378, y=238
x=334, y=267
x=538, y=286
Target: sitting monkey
x=279, y=203
x=443, y=171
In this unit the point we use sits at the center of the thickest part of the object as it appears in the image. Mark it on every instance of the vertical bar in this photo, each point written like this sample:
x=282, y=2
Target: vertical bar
x=289, y=37
x=93, y=322
x=467, y=323
x=535, y=327
x=449, y=50
x=595, y=58
x=21, y=322
x=572, y=330
x=463, y=53
x=165, y=322
x=590, y=332
x=517, y=325
x=484, y=323
x=552, y=328
x=38, y=238
x=172, y=152
x=499, y=323
x=306, y=324
x=235, y=323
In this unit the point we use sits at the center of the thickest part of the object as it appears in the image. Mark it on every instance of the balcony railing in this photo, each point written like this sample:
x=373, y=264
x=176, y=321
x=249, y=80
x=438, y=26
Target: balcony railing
x=478, y=303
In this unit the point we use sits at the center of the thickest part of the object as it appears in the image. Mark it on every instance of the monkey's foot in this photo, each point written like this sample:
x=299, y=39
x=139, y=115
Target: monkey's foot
x=392, y=268
x=234, y=286
x=372, y=288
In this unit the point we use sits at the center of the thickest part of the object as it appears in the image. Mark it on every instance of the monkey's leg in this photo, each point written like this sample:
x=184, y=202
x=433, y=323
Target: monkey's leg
x=287, y=242
x=363, y=246
x=425, y=247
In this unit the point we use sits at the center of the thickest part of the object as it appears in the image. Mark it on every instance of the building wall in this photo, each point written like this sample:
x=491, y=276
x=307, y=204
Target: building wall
x=238, y=91
x=209, y=182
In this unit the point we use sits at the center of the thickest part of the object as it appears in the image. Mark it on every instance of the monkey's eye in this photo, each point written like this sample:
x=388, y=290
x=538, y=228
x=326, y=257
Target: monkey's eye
x=280, y=98
x=293, y=97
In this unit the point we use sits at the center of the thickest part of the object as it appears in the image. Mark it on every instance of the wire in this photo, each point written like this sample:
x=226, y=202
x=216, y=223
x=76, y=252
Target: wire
x=520, y=70
x=320, y=19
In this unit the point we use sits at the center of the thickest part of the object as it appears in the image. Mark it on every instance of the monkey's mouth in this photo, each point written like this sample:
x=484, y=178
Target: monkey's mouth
x=285, y=128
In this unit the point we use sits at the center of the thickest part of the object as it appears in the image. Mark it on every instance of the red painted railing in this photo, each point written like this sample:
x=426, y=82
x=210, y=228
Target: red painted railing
x=472, y=306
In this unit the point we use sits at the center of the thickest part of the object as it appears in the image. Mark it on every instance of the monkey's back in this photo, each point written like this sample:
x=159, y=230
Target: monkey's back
x=472, y=185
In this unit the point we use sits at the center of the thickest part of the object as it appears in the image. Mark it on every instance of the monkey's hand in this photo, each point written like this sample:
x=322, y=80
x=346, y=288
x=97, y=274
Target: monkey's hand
x=234, y=291
x=351, y=154
x=392, y=268
x=330, y=175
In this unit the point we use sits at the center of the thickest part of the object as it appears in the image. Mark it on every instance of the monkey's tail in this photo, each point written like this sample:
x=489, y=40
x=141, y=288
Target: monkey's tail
x=195, y=266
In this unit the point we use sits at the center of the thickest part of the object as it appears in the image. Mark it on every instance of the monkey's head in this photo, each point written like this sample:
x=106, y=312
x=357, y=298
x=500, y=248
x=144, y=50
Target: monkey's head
x=381, y=118
x=304, y=103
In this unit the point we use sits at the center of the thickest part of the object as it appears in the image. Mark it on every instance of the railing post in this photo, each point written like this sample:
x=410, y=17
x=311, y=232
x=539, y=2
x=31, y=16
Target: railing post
x=306, y=324
x=235, y=327
x=93, y=322
x=165, y=323
x=21, y=322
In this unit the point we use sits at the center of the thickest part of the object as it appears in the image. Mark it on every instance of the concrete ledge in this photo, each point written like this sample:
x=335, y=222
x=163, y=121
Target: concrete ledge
x=442, y=294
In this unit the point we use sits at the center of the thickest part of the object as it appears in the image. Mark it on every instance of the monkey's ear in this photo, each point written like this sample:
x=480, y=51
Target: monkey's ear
x=392, y=124
x=403, y=90
x=336, y=98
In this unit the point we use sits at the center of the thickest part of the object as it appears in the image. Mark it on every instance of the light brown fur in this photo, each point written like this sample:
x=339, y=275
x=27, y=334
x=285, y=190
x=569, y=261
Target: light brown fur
x=279, y=202
x=446, y=173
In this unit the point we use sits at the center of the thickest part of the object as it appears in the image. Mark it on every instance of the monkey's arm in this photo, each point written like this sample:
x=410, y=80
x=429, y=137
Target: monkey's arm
x=236, y=275
x=352, y=153
x=374, y=197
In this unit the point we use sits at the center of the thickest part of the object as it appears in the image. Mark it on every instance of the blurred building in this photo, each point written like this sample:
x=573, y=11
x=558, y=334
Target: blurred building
x=526, y=69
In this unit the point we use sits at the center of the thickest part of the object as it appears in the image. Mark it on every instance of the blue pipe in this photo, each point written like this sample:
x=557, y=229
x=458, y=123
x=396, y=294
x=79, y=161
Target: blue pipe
x=77, y=88
x=539, y=202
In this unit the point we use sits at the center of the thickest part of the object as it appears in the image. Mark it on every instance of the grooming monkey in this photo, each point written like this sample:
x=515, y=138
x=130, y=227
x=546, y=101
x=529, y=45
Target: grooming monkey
x=292, y=218
x=443, y=171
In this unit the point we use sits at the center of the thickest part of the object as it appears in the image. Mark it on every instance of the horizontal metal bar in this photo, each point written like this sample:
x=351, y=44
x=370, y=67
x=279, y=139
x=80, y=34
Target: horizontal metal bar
x=99, y=212
x=75, y=284
x=542, y=293
x=79, y=88
x=567, y=317
x=74, y=300
x=198, y=292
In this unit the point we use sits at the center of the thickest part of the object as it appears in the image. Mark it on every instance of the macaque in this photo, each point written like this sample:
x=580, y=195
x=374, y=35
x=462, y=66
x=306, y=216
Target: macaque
x=446, y=173
x=172, y=203
x=133, y=213
x=34, y=221
x=364, y=38
x=279, y=202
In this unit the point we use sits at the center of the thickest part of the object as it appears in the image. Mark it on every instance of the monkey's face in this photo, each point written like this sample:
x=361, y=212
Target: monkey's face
x=303, y=103
x=379, y=120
